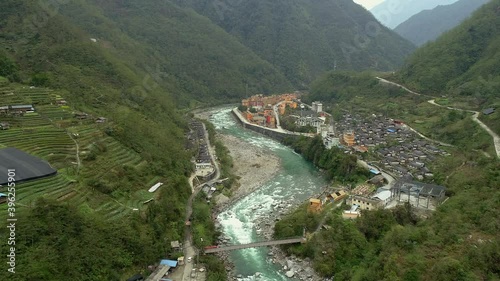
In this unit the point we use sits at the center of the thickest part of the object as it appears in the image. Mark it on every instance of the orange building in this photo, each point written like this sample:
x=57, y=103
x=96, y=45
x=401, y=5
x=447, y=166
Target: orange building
x=315, y=205
x=248, y=116
x=348, y=138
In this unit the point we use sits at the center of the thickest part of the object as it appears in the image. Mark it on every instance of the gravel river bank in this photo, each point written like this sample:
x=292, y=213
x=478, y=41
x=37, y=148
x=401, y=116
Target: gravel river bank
x=273, y=181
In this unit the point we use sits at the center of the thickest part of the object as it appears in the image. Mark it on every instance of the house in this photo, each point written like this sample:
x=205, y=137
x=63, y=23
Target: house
x=80, y=115
x=317, y=106
x=377, y=180
x=23, y=108
x=315, y=205
x=175, y=245
x=4, y=125
x=364, y=203
x=353, y=213
x=61, y=102
x=384, y=196
x=348, y=138
x=101, y=120
x=309, y=121
x=488, y=111
x=169, y=263
x=337, y=195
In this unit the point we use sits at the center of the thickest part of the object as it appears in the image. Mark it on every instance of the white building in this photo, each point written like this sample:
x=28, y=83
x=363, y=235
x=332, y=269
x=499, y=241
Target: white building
x=309, y=120
x=317, y=106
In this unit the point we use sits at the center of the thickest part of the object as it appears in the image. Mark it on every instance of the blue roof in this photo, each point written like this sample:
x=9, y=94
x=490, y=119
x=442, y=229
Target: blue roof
x=3, y=195
x=170, y=263
x=391, y=130
x=373, y=171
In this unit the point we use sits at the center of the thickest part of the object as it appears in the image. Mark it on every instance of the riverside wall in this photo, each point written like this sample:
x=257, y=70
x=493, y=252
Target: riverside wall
x=279, y=136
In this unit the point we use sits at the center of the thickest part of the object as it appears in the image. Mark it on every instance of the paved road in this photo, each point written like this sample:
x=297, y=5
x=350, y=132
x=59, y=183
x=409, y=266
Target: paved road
x=496, y=138
x=254, y=245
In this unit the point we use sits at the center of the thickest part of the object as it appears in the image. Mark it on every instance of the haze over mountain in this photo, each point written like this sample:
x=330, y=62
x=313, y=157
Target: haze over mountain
x=305, y=38
x=391, y=13
x=430, y=24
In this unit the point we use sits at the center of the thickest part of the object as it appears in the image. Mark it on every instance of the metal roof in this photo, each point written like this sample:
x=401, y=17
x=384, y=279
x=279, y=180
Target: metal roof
x=170, y=263
x=488, y=111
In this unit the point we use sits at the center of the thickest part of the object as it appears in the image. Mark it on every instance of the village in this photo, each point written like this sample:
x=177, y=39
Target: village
x=398, y=163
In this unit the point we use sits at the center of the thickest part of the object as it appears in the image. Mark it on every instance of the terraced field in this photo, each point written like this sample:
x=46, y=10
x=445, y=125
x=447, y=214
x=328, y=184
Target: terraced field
x=41, y=134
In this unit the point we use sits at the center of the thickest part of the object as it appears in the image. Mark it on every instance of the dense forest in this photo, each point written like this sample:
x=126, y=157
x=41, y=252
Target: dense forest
x=305, y=38
x=337, y=166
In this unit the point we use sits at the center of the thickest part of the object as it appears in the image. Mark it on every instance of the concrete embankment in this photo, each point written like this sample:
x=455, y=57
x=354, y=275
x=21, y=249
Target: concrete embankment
x=274, y=134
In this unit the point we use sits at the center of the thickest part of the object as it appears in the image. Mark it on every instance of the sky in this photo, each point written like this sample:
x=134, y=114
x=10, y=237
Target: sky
x=368, y=4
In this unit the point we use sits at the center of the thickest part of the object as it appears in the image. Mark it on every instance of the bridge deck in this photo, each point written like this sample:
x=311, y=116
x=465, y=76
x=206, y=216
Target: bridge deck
x=254, y=245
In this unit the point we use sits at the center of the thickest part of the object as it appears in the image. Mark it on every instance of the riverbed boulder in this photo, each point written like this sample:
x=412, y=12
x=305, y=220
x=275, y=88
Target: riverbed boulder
x=290, y=274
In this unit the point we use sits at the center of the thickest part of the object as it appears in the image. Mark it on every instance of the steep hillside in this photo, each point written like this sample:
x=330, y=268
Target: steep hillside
x=392, y=13
x=175, y=49
x=430, y=24
x=306, y=38
x=90, y=221
x=463, y=62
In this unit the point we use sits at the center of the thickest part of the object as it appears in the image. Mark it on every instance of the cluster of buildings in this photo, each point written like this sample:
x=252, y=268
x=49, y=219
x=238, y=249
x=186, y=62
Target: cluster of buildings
x=377, y=194
x=262, y=109
x=313, y=116
x=203, y=163
x=403, y=151
x=403, y=154
x=410, y=158
x=369, y=132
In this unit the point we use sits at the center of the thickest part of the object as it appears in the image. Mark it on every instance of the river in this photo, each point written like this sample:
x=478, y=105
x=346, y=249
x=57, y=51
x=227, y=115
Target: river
x=295, y=182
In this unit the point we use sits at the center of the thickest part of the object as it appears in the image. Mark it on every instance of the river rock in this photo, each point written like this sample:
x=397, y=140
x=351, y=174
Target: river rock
x=289, y=263
x=290, y=274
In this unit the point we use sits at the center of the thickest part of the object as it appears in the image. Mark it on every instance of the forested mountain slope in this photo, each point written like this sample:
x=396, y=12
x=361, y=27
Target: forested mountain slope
x=179, y=50
x=430, y=24
x=306, y=38
x=137, y=79
x=391, y=13
x=462, y=62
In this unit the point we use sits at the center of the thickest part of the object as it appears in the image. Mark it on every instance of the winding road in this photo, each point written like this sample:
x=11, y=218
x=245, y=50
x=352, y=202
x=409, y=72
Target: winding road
x=496, y=138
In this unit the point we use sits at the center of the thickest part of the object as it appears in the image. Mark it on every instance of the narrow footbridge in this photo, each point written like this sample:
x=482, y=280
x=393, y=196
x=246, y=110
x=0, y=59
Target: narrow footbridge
x=217, y=249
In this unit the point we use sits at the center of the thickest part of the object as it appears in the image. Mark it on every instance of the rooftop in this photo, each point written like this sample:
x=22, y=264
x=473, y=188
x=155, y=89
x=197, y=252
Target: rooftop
x=26, y=166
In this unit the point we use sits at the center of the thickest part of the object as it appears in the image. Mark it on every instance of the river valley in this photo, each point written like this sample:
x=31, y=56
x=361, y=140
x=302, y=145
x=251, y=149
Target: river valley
x=246, y=220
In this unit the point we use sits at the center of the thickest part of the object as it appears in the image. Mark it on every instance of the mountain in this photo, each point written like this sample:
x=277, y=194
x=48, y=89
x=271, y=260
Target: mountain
x=306, y=38
x=430, y=24
x=462, y=59
x=139, y=64
x=463, y=63
x=391, y=13
x=178, y=49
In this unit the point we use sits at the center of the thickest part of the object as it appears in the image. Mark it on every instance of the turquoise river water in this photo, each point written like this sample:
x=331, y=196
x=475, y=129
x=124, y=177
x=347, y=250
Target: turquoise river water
x=295, y=182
